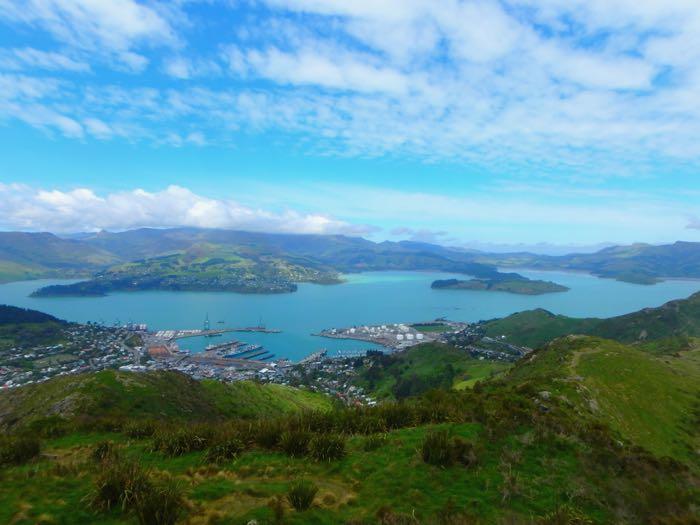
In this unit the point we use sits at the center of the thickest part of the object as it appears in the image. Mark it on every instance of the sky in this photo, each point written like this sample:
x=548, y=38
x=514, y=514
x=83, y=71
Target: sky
x=489, y=123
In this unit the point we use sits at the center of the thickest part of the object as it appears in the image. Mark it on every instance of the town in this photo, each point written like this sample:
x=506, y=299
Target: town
x=132, y=347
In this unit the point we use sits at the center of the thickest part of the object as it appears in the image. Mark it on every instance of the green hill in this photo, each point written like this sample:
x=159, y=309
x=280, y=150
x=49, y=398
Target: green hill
x=671, y=321
x=119, y=395
x=19, y=326
x=422, y=368
x=41, y=255
x=636, y=263
x=583, y=431
x=652, y=401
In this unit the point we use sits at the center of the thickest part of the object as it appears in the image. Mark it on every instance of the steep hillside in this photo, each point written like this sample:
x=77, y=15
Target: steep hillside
x=652, y=401
x=675, y=319
x=119, y=395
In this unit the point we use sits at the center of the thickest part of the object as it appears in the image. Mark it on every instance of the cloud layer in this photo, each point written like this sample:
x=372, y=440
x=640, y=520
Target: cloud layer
x=26, y=208
x=577, y=86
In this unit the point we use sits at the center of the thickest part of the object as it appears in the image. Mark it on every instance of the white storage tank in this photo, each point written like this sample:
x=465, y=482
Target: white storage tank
x=419, y=337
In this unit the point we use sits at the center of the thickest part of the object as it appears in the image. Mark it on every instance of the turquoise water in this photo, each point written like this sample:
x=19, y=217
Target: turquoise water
x=368, y=298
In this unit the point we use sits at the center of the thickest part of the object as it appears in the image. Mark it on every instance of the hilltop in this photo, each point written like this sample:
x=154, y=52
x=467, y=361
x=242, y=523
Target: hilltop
x=167, y=395
x=651, y=326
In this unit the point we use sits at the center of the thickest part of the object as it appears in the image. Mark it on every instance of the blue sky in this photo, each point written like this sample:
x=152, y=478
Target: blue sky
x=569, y=122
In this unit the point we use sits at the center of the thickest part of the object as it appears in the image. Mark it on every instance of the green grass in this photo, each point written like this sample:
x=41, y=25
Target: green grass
x=426, y=366
x=353, y=488
x=673, y=320
x=650, y=400
x=154, y=395
x=534, y=452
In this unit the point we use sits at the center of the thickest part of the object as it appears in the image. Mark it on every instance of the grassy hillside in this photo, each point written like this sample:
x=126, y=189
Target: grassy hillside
x=28, y=327
x=675, y=319
x=37, y=255
x=636, y=263
x=119, y=395
x=556, y=441
x=424, y=367
x=653, y=401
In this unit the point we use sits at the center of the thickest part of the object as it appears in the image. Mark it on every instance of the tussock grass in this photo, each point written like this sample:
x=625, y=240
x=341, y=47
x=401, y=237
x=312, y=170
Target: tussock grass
x=301, y=495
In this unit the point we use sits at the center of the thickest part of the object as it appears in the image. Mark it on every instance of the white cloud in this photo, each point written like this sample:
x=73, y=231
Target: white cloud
x=321, y=66
x=26, y=208
x=26, y=58
x=114, y=27
x=184, y=68
x=594, y=87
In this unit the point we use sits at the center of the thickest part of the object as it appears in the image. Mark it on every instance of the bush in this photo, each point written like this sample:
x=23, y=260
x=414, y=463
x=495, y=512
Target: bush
x=125, y=485
x=437, y=449
x=162, y=504
x=183, y=441
x=441, y=450
x=17, y=450
x=266, y=433
x=327, y=447
x=103, y=451
x=223, y=451
x=295, y=443
x=464, y=452
x=139, y=429
x=49, y=427
x=119, y=484
x=301, y=494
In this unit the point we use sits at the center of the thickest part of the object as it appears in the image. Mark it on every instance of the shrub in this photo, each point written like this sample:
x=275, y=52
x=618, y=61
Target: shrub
x=162, y=504
x=266, y=433
x=17, y=450
x=301, y=494
x=49, y=427
x=437, y=449
x=294, y=443
x=327, y=447
x=103, y=451
x=464, y=452
x=183, y=441
x=441, y=450
x=139, y=429
x=223, y=451
x=119, y=484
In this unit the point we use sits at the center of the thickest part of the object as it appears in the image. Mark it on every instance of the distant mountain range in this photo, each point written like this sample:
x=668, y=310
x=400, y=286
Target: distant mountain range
x=191, y=258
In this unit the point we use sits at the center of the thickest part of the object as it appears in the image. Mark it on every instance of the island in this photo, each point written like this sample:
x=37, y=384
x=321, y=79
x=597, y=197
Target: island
x=521, y=285
x=183, y=272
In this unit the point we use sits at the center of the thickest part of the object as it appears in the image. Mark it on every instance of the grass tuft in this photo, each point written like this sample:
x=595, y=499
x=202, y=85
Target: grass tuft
x=301, y=494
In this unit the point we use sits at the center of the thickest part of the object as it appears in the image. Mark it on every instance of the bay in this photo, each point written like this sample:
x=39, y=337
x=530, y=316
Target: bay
x=366, y=298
